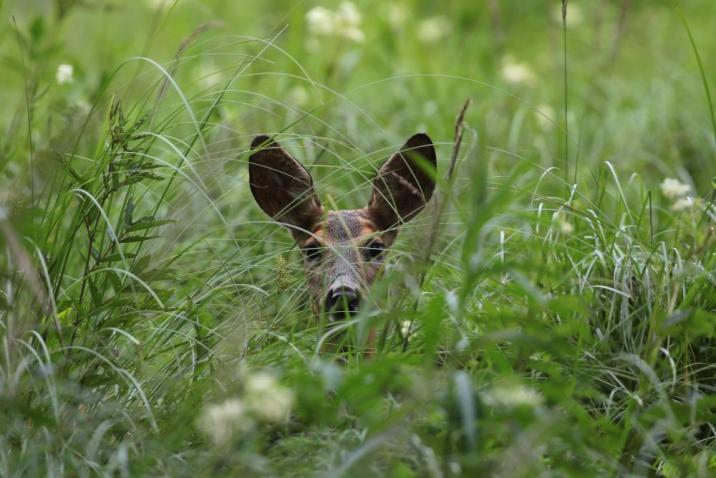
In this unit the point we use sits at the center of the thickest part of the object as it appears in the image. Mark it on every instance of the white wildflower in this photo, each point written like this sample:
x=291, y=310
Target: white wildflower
x=348, y=14
x=516, y=73
x=455, y=468
x=560, y=219
x=220, y=421
x=545, y=116
x=397, y=14
x=268, y=400
x=208, y=74
x=406, y=328
x=64, y=74
x=321, y=21
x=348, y=20
x=354, y=34
x=433, y=29
x=344, y=22
x=298, y=96
x=673, y=188
x=452, y=301
x=463, y=343
x=683, y=204
x=512, y=396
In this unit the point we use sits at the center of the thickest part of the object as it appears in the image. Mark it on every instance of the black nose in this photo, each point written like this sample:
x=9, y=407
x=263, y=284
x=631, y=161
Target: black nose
x=343, y=300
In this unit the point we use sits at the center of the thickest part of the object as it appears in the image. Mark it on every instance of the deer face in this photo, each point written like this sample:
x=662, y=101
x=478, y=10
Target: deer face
x=343, y=250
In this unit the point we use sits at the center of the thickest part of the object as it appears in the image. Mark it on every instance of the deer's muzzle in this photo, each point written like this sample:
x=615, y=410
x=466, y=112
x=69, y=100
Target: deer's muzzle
x=342, y=301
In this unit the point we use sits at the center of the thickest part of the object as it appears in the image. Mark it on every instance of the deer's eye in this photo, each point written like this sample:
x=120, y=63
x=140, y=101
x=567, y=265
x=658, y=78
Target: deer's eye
x=373, y=249
x=313, y=252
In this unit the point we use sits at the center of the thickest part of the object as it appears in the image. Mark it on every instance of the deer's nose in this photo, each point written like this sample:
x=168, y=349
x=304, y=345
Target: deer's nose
x=342, y=300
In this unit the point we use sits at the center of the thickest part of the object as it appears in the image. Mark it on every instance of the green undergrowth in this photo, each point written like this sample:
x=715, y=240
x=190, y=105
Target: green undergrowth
x=153, y=321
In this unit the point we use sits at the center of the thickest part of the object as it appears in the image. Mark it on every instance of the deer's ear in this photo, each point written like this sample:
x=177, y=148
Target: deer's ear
x=404, y=184
x=282, y=187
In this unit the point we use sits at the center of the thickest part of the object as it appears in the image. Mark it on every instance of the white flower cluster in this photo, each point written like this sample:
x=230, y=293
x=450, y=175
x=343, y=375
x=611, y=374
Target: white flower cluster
x=433, y=29
x=264, y=400
x=674, y=189
x=398, y=13
x=64, y=74
x=298, y=96
x=406, y=329
x=269, y=400
x=517, y=73
x=221, y=420
x=560, y=219
x=683, y=204
x=512, y=396
x=343, y=22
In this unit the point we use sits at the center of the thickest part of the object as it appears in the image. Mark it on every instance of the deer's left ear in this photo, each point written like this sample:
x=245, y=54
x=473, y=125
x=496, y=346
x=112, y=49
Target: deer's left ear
x=283, y=187
x=404, y=184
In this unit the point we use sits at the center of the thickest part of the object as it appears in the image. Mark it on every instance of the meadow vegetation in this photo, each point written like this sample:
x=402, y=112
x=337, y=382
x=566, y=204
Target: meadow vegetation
x=550, y=313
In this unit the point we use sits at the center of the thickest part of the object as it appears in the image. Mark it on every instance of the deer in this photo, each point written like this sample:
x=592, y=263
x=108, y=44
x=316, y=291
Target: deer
x=343, y=250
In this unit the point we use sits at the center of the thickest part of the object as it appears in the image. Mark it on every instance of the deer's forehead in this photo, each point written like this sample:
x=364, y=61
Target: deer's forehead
x=341, y=226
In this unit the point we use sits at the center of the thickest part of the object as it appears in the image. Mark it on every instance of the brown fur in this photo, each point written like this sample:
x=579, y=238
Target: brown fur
x=336, y=256
x=343, y=236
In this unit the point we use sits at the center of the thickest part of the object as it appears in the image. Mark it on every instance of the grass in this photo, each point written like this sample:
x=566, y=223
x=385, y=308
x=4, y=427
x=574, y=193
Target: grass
x=550, y=313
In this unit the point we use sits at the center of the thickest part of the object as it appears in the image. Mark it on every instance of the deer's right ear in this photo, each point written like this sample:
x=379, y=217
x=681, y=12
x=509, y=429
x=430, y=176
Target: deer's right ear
x=282, y=187
x=404, y=184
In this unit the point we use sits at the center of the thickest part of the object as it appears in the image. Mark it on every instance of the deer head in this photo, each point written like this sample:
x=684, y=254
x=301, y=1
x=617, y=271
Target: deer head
x=343, y=250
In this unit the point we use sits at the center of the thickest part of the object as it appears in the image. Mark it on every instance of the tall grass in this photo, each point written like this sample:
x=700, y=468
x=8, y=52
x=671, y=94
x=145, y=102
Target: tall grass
x=155, y=322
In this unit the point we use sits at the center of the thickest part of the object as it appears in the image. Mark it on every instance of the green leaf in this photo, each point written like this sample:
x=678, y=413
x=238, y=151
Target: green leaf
x=146, y=223
x=94, y=292
x=66, y=317
x=160, y=274
x=128, y=211
x=127, y=239
x=152, y=176
x=430, y=324
x=37, y=29
x=141, y=264
x=116, y=257
x=116, y=282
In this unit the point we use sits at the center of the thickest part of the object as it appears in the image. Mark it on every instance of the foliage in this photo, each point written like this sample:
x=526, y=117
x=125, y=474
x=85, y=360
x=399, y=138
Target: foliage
x=154, y=321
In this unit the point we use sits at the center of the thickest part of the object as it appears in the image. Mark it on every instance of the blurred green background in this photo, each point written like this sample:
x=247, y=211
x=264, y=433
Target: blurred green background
x=155, y=322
